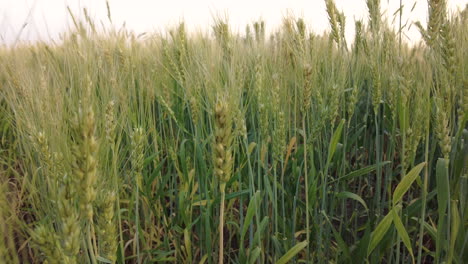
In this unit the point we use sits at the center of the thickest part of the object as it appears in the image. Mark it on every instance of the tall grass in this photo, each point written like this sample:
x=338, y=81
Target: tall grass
x=237, y=148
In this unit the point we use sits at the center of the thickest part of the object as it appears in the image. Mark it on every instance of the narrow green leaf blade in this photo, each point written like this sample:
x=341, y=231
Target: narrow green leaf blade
x=103, y=260
x=402, y=232
x=251, y=209
x=455, y=227
x=406, y=182
x=334, y=141
x=443, y=191
x=443, y=194
x=254, y=255
x=292, y=252
x=363, y=171
x=353, y=196
x=258, y=238
x=379, y=232
x=188, y=244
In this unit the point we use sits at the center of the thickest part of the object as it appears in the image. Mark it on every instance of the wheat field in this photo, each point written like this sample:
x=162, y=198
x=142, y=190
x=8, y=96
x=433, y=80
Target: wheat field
x=224, y=147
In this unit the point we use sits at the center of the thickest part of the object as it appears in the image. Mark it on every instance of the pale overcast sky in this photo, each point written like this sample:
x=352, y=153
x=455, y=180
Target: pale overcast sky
x=29, y=20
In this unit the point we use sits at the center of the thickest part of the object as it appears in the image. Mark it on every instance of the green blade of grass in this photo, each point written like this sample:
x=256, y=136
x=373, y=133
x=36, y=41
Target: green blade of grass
x=292, y=252
x=443, y=194
x=406, y=182
x=251, y=211
x=334, y=141
x=402, y=232
x=361, y=172
x=353, y=196
x=380, y=231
